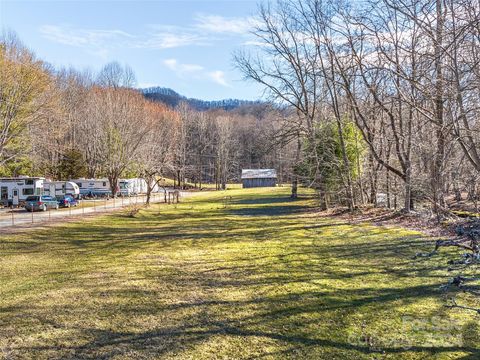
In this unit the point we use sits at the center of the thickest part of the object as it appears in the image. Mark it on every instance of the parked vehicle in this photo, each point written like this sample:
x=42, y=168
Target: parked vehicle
x=14, y=191
x=60, y=188
x=41, y=203
x=134, y=186
x=67, y=201
x=93, y=187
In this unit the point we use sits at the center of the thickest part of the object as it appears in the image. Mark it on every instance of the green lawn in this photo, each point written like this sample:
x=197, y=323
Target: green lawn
x=263, y=277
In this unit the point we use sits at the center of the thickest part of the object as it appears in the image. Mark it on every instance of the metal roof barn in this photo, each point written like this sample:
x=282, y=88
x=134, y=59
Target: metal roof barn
x=259, y=178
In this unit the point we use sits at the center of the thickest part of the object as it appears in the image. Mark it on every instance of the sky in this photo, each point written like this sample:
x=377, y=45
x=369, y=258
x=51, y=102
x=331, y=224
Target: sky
x=184, y=45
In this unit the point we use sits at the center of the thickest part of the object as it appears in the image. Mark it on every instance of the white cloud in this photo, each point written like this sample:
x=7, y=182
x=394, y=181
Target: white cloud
x=95, y=41
x=205, y=30
x=218, y=77
x=195, y=71
x=99, y=41
x=171, y=63
x=220, y=24
x=82, y=37
x=169, y=40
x=182, y=69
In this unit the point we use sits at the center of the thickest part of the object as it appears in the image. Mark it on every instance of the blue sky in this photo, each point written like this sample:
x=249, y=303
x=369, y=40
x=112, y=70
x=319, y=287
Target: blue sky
x=184, y=45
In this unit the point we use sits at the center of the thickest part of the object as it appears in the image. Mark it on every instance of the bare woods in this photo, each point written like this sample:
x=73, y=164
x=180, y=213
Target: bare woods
x=65, y=123
x=405, y=73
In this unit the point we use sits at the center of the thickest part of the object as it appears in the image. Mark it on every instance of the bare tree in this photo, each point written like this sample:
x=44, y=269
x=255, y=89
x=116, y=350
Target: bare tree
x=156, y=150
x=113, y=75
x=120, y=115
x=226, y=147
x=26, y=96
x=287, y=73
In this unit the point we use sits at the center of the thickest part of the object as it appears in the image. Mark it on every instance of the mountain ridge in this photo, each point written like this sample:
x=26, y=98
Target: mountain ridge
x=171, y=98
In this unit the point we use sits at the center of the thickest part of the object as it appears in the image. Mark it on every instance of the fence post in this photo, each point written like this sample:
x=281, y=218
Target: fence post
x=13, y=217
x=32, y=214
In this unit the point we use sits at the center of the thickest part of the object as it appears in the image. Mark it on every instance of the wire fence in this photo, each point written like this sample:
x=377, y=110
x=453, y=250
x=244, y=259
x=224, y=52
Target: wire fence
x=20, y=216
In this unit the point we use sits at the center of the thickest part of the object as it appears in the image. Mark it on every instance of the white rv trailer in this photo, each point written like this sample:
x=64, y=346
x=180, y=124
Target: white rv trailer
x=127, y=187
x=133, y=186
x=93, y=187
x=101, y=187
x=14, y=191
x=59, y=188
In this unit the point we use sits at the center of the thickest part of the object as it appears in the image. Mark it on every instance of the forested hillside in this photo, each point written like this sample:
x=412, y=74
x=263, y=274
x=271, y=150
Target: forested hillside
x=173, y=99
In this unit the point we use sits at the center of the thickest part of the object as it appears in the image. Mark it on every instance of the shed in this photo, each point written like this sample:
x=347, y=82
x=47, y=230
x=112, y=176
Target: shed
x=259, y=178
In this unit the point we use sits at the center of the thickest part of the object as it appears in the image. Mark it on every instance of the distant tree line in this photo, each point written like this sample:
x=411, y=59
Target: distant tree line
x=64, y=124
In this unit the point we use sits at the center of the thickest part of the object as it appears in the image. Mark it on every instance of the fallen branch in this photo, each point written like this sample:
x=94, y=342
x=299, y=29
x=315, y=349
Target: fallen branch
x=469, y=238
x=457, y=243
x=455, y=305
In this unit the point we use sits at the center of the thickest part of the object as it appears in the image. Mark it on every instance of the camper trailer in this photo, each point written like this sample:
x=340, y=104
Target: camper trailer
x=93, y=187
x=127, y=187
x=134, y=186
x=14, y=191
x=61, y=188
x=101, y=187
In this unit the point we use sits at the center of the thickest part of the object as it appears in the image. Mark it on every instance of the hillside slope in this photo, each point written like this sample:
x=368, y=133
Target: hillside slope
x=172, y=98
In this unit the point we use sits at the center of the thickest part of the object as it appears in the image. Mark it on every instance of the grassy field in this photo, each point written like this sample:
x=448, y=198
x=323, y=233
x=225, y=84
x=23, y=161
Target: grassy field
x=260, y=277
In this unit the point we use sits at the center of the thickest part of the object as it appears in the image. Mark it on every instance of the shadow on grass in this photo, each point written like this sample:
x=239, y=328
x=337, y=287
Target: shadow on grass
x=178, y=283
x=264, y=200
x=269, y=210
x=173, y=340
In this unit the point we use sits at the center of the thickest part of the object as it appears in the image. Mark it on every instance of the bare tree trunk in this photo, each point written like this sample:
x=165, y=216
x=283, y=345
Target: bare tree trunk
x=347, y=169
x=439, y=158
x=113, y=179
x=200, y=174
x=149, y=193
x=359, y=173
x=323, y=196
x=408, y=203
x=294, y=194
